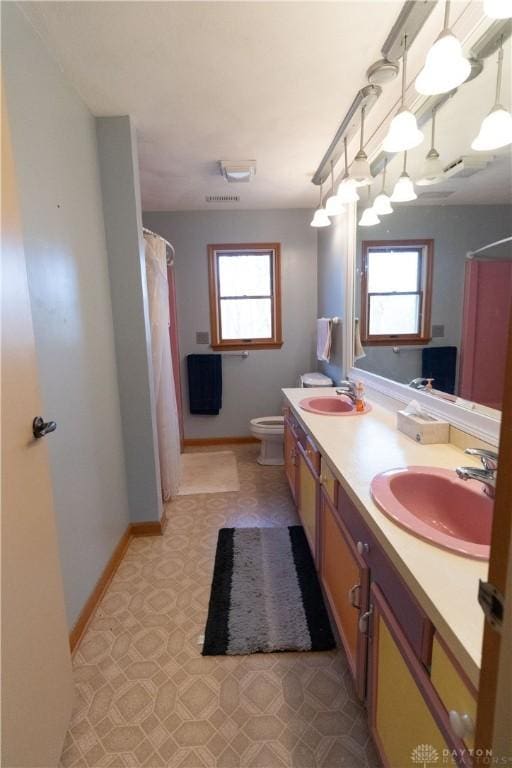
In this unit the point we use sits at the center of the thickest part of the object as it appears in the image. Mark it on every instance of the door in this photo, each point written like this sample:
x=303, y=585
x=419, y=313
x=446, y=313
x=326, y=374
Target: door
x=345, y=579
x=487, y=302
x=308, y=498
x=290, y=457
x=36, y=666
x=401, y=697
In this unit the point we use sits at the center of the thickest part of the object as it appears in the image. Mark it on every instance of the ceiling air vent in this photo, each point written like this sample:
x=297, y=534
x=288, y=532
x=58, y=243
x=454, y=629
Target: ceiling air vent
x=222, y=198
x=467, y=165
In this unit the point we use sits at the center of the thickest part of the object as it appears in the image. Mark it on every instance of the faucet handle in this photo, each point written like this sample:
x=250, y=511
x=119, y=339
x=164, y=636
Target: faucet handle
x=488, y=457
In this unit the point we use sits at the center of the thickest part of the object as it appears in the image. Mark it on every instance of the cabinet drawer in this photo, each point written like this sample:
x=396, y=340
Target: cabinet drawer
x=411, y=618
x=454, y=692
x=329, y=482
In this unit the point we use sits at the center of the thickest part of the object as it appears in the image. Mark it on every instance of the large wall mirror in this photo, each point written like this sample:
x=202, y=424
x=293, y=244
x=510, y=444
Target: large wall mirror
x=425, y=309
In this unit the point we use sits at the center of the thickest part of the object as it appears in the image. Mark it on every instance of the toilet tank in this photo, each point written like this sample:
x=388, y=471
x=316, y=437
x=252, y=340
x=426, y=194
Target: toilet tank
x=315, y=379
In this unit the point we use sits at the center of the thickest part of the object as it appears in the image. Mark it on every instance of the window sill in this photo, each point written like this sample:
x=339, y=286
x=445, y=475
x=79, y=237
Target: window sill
x=395, y=342
x=226, y=347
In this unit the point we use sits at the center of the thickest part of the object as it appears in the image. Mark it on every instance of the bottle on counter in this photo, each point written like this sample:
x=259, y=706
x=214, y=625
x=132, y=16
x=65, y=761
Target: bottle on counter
x=360, y=399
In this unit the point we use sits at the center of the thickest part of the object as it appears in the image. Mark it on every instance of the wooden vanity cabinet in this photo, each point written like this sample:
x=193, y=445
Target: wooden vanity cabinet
x=405, y=716
x=290, y=454
x=309, y=491
x=345, y=579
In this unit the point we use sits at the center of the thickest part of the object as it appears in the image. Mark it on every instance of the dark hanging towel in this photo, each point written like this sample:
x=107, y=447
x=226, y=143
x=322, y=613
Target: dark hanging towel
x=205, y=384
x=439, y=363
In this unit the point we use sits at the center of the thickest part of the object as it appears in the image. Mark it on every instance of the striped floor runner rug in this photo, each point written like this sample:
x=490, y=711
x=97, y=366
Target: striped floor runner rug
x=265, y=595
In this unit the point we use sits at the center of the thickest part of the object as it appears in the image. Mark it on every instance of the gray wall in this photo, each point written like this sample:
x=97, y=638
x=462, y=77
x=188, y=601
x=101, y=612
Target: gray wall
x=59, y=187
x=332, y=262
x=455, y=230
x=251, y=387
x=123, y=225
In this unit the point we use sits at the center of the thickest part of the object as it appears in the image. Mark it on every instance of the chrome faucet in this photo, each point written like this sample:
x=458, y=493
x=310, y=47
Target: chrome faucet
x=486, y=475
x=347, y=388
x=421, y=383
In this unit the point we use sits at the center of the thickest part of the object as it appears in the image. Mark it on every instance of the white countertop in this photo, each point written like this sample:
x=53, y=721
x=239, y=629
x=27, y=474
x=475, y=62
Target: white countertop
x=444, y=584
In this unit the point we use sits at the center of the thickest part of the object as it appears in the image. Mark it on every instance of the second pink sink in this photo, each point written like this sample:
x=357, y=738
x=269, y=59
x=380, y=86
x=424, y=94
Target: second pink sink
x=332, y=405
x=435, y=505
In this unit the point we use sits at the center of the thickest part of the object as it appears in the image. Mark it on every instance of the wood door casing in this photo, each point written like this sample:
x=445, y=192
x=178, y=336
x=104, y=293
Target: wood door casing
x=342, y=569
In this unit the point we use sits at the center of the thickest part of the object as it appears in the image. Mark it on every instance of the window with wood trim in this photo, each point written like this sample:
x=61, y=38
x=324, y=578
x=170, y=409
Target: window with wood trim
x=396, y=291
x=245, y=295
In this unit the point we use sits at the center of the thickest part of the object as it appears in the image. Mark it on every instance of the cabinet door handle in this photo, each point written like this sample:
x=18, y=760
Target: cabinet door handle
x=352, y=596
x=461, y=724
x=364, y=619
x=362, y=547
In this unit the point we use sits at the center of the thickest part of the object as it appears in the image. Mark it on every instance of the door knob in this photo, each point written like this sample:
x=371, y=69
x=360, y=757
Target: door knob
x=40, y=428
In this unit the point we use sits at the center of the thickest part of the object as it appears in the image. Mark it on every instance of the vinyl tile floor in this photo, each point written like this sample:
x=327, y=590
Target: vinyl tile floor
x=144, y=695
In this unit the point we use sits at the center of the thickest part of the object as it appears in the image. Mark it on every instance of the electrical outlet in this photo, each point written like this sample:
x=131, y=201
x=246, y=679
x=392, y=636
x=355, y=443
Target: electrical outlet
x=437, y=331
x=202, y=337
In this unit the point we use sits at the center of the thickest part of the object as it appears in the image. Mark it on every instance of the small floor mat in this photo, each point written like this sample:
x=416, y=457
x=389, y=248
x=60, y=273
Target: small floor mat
x=265, y=595
x=208, y=472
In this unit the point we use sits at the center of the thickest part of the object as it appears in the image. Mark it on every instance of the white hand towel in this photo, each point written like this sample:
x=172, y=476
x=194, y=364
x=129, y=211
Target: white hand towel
x=324, y=338
x=358, y=347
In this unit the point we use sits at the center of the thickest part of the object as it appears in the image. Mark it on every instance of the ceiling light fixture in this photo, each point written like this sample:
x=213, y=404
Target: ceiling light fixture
x=496, y=128
x=445, y=66
x=381, y=204
x=433, y=167
x=347, y=192
x=360, y=168
x=403, y=190
x=320, y=219
x=403, y=132
x=498, y=9
x=333, y=205
x=238, y=171
x=369, y=218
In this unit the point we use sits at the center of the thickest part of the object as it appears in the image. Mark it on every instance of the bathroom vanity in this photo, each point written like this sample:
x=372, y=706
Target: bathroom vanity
x=405, y=610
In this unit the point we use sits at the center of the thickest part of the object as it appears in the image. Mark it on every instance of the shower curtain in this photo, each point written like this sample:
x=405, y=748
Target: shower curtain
x=163, y=380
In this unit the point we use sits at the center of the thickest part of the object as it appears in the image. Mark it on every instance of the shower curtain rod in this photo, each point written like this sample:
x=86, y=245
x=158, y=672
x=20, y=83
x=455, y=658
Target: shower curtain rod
x=168, y=244
x=470, y=254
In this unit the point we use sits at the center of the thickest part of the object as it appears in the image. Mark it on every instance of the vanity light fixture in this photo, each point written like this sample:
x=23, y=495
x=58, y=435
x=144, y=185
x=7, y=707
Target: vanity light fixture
x=445, y=67
x=381, y=204
x=403, y=190
x=433, y=167
x=347, y=192
x=403, y=132
x=333, y=205
x=369, y=217
x=320, y=219
x=496, y=128
x=498, y=9
x=360, y=168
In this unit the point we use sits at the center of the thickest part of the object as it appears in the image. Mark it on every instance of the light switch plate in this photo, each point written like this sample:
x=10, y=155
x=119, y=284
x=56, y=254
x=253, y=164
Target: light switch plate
x=202, y=337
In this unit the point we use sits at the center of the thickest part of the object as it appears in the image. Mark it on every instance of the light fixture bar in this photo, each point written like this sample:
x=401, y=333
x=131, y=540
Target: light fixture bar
x=410, y=20
x=366, y=97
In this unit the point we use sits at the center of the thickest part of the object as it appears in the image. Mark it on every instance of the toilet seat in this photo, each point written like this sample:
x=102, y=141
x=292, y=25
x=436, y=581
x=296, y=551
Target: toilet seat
x=268, y=425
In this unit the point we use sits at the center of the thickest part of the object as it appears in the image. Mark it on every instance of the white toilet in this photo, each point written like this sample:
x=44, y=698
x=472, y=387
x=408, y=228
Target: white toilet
x=270, y=429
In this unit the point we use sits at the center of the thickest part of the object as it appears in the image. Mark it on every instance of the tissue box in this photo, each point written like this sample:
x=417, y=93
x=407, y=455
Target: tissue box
x=423, y=429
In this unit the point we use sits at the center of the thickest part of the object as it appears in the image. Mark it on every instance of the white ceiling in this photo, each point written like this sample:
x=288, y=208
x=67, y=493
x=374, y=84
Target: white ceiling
x=270, y=81
x=210, y=81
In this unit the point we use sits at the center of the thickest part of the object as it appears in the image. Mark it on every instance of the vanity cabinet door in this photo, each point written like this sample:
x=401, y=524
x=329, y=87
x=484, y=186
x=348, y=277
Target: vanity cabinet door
x=345, y=579
x=290, y=458
x=405, y=717
x=308, y=498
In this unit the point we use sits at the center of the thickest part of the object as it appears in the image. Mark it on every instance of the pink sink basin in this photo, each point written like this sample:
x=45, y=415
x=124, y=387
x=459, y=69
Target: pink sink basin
x=435, y=505
x=331, y=405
